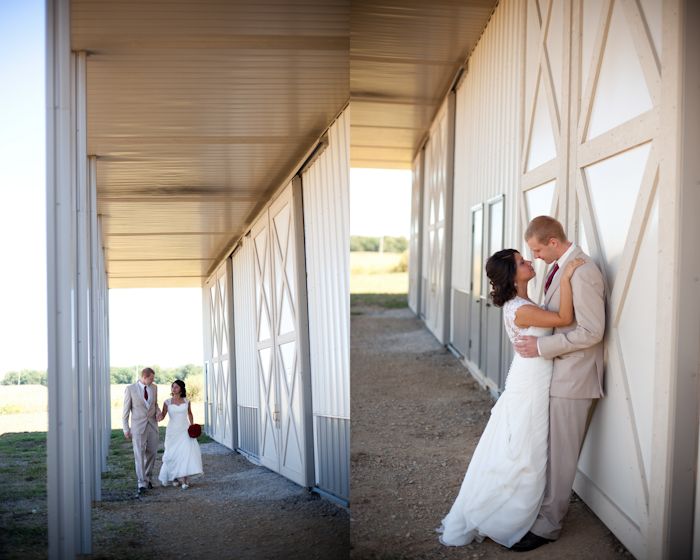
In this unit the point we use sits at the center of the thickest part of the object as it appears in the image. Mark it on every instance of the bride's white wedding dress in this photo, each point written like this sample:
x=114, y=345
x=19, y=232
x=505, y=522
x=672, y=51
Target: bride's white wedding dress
x=182, y=456
x=502, y=491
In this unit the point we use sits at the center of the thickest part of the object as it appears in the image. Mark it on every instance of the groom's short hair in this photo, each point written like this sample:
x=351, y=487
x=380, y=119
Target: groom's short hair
x=543, y=228
x=147, y=372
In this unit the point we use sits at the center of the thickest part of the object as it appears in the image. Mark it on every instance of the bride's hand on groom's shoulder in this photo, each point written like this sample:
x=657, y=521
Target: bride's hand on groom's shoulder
x=572, y=266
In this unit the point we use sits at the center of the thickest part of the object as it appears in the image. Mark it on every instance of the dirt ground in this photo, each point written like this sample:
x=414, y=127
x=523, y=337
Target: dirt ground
x=416, y=418
x=236, y=510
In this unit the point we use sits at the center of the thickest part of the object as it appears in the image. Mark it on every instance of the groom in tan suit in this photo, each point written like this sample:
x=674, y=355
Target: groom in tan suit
x=577, y=377
x=141, y=402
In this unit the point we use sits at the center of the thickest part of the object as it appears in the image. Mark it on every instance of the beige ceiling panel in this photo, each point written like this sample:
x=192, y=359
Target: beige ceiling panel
x=168, y=143
x=197, y=112
x=157, y=282
x=162, y=247
x=367, y=136
x=213, y=215
x=416, y=28
x=201, y=169
x=405, y=81
x=204, y=22
x=378, y=157
x=404, y=55
x=390, y=116
x=379, y=164
x=224, y=93
x=155, y=268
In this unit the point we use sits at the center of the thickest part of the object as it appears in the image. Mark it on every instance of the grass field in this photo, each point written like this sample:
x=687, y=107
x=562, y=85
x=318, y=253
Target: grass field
x=364, y=262
x=23, y=427
x=23, y=514
x=373, y=273
x=387, y=301
x=24, y=408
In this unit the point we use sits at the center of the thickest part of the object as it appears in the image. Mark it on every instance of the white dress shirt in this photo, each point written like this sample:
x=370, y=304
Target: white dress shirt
x=561, y=260
x=141, y=387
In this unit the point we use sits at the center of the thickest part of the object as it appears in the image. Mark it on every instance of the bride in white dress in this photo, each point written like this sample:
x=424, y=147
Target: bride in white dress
x=504, y=485
x=182, y=457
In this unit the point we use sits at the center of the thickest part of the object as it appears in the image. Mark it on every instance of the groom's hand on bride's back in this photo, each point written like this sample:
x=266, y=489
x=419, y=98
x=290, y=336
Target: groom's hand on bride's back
x=526, y=346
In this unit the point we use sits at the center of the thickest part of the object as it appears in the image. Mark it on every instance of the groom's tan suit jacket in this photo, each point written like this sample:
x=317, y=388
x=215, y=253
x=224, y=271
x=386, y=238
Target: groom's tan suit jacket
x=577, y=349
x=142, y=417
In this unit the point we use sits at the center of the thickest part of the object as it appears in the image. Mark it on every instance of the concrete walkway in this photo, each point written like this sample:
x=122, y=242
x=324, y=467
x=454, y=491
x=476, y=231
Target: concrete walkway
x=416, y=418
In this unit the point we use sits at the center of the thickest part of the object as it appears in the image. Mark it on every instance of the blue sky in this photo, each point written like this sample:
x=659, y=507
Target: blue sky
x=146, y=326
x=22, y=195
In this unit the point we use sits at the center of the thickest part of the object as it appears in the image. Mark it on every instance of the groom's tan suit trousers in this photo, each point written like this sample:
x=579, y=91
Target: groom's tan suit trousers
x=144, y=429
x=577, y=379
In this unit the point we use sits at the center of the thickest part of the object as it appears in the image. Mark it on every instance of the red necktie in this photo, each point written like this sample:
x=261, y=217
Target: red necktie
x=145, y=392
x=551, y=277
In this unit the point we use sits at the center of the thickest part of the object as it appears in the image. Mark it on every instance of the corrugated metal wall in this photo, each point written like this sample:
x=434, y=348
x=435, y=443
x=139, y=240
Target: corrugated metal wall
x=327, y=236
x=487, y=139
x=487, y=133
x=244, y=343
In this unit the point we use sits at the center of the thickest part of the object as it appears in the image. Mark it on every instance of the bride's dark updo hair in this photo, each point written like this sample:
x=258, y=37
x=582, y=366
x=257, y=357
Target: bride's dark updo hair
x=183, y=391
x=501, y=269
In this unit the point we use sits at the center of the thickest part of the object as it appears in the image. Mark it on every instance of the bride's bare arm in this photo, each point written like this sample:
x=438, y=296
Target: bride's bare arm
x=189, y=412
x=533, y=316
x=163, y=411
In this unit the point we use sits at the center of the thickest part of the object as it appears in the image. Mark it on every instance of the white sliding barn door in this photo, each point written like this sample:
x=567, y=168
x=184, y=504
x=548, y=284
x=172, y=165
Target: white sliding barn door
x=544, y=155
x=220, y=382
x=614, y=171
x=288, y=354
x=267, y=379
x=590, y=157
x=437, y=180
x=279, y=356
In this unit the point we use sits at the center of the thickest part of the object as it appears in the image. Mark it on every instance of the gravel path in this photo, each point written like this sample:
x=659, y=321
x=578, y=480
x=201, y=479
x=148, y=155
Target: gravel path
x=236, y=510
x=416, y=418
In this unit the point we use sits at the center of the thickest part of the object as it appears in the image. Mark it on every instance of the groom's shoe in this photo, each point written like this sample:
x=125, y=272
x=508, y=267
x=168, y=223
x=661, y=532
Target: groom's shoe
x=142, y=490
x=529, y=542
x=150, y=486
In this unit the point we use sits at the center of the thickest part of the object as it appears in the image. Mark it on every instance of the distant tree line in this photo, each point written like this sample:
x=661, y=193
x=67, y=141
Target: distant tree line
x=25, y=377
x=117, y=375
x=121, y=375
x=374, y=244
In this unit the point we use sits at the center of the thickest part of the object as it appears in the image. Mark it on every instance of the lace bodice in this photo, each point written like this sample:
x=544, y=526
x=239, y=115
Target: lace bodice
x=509, y=309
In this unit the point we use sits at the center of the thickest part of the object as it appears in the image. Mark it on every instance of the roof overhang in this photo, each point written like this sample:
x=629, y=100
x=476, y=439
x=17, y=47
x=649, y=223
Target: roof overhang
x=404, y=55
x=197, y=111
